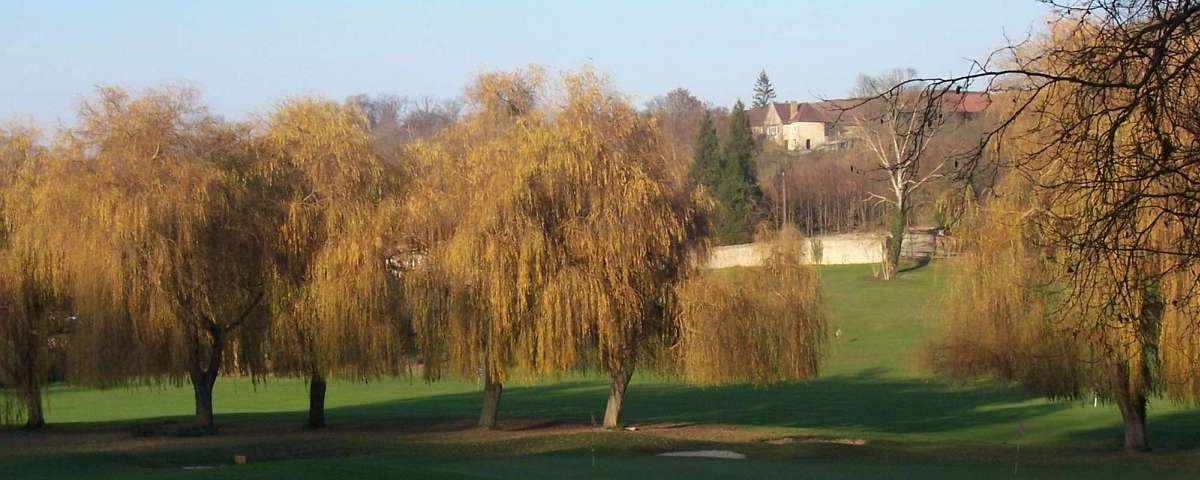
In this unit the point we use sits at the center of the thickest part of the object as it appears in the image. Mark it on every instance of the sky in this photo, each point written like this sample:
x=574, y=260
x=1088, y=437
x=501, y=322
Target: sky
x=244, y=56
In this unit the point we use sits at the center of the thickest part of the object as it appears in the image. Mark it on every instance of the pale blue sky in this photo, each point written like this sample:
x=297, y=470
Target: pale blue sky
x=246, y=55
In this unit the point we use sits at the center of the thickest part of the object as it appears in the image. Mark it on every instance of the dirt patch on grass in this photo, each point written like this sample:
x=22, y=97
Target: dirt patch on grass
x=704, y=432
x=506, y=429
x=271, y=439
x=812, y=439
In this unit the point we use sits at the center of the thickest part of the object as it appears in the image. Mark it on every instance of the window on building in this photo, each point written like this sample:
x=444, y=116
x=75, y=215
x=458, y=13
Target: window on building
x=808, y=144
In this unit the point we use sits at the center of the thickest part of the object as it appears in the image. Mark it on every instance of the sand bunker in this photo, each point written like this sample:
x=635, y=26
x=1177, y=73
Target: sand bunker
x=726, y=454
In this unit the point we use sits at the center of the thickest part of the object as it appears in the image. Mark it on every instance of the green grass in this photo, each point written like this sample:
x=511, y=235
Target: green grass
x=873, y=388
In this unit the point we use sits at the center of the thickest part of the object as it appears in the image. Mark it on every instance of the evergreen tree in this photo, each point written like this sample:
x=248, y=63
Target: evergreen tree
x=763, y=91
x=706, y=164
x=737, y=190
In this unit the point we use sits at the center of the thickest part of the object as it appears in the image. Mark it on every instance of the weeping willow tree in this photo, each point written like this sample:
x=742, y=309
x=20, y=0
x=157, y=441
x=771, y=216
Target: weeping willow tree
x=761, y=326
x=1016, y=316
x=452, y=174
x=1102, y=135
x=1116, y=171
x=555, y=232
x=998, y=316
x=332, y=293
x=33, y=307
x=166, y=214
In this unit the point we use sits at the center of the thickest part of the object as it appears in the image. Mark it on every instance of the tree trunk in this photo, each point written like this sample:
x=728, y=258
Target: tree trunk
x=203, y=390
x=316, y=401
x=886, y=268
x=1133, y=414
x=491, y=403
x=895, y=242
x=204, y=376
x=616, y=398
x=34, y=418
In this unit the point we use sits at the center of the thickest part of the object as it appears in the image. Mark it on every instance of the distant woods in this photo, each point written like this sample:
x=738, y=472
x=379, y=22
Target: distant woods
x=394, y=120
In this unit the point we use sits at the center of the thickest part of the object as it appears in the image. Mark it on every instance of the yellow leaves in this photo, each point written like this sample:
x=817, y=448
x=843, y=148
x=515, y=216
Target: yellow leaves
x=155, y=217
x=1179, y=343
x=544, y=231
x=326, y=143
x=332, y=296
x=1013, y=311
x=761, y=325
x=993, y=311
x=32, y=301
x=558, y=221
x=505, y=95
x=1110, y=158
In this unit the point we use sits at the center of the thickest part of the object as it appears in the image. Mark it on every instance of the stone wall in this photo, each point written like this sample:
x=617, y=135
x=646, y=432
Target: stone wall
x=843, y=249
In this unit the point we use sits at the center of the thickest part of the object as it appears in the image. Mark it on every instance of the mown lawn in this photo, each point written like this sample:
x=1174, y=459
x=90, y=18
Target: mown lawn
x=873, y=389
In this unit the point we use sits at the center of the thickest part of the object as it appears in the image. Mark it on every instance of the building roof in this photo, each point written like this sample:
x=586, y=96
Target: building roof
x=784, y=110
x=788, y=112
x=969, y=102
x=806, y=112
x=757, y=115
x=829, y=111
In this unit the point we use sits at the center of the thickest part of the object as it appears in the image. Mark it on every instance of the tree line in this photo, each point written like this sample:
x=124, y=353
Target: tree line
x=543, y=226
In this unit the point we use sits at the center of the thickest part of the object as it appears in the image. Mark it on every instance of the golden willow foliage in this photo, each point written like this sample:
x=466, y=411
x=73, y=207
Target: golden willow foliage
x=160, y=214
x=1013, y=315
x=998, y=314
x=32, y=307
x=553, y=232
x=1111, y=156
x=760, y=325
x=1179, y=341
x=332, y=295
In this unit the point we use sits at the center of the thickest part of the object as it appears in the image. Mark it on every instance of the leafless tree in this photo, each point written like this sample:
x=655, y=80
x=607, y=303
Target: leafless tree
x=427, y=115
x=394, y=120
x=678, y=115
x=895, y=130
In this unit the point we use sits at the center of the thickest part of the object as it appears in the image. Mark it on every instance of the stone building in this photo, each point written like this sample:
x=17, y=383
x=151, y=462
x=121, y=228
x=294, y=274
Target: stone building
x=806, y=126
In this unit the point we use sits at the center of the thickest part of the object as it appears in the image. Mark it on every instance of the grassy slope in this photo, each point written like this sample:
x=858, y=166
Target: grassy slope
x=872, y=388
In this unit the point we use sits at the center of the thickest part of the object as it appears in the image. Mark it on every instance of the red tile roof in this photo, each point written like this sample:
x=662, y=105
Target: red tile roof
x=806, y=112
x=829, y=111
x=758, y=116
x=969, y=102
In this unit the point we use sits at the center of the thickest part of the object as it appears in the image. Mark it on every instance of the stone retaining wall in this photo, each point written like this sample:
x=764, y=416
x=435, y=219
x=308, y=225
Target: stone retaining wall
x=842, y=249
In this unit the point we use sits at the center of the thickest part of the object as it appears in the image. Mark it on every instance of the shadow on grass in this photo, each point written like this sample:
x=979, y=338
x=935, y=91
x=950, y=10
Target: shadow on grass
x=868, y=401
x=918, y=263
x=1164, y=433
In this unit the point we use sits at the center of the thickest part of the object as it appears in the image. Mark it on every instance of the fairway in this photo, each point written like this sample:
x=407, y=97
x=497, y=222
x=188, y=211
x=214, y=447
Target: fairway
x=873, y=412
